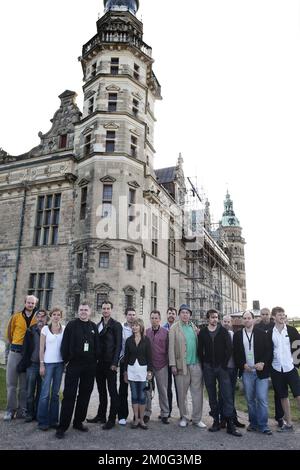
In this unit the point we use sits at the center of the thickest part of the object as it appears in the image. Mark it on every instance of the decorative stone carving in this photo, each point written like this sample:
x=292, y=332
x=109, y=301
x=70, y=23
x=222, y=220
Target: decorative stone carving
x=108, y=179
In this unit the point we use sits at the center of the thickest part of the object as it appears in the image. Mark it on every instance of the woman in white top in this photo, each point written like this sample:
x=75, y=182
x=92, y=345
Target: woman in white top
x=138, y=369
x=51, y=370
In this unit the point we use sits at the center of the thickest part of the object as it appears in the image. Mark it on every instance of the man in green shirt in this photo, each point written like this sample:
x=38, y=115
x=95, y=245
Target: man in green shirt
x=184, y=361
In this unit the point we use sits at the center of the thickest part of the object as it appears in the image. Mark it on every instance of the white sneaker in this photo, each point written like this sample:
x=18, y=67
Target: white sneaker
x=123, y=422
x=8, y=416
x=200, y=425
x=183, y=423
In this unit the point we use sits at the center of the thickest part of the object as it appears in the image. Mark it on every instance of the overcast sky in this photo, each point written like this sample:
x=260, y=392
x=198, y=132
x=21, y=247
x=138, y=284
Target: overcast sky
x=230, y=75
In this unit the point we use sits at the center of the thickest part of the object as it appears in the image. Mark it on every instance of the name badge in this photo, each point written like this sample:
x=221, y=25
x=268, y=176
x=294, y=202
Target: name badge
x=86, y=347
x=250, y=356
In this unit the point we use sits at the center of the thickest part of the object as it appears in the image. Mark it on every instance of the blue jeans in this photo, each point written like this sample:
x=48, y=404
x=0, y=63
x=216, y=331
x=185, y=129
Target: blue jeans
x=48, y=414
x=138, y=395
x=256, y=391
x=33, y=388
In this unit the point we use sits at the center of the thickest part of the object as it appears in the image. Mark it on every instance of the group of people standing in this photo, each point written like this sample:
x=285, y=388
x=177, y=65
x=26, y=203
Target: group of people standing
x=174, y=353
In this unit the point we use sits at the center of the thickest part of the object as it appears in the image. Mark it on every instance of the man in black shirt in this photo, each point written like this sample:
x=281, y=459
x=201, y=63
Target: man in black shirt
x=80, y=349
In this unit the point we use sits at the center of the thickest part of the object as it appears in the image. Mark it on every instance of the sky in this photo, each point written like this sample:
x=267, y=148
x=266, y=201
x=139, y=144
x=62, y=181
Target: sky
x=230, y=77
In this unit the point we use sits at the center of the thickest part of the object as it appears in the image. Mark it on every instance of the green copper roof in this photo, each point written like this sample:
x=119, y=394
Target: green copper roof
x=229, y=219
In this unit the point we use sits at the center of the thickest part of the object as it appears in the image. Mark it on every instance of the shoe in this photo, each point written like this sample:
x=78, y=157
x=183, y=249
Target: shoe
x=231, y=429
x=251, y=428
x=280, y=422
x=60, y=434
x=80, y=427
x=143, y=426
x=43, y=427
x=183, y=423
x=237, y=424
x=286, y=428
x=123, y=422
x=96, y=419
x=28, y=419
x=134, y=425
x=21, y=414
x=223, y=424
x=215, y=427
x=8, y=416
x=146, y=419
x=159, y=417
x=54, y=426
x=268, y=432
x=108, y=425
x=165, y=420
x=200, y=425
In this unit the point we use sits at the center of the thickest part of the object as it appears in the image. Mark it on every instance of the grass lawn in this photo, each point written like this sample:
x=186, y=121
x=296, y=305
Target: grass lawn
x=240, y=404
x=2, y=389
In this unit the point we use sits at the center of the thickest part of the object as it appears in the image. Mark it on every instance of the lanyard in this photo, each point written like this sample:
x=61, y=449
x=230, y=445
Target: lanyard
x=249, y=339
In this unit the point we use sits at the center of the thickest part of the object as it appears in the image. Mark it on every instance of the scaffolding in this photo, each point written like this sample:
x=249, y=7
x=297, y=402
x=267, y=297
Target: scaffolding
x=211, y=280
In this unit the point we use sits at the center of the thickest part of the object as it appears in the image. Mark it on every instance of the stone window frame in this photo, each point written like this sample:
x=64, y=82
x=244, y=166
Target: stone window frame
x=129, y=292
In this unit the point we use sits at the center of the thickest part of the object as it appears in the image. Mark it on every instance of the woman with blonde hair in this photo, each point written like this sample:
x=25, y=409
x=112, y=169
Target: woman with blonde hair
x=138, y=369
x=51, y=370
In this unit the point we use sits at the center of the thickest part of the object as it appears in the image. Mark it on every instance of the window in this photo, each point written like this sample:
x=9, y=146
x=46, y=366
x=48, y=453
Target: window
x=133, y=148
x=87, y=145
x=76, y=302
x=41, y=285
x=153, y=295
x=148, y=160
x=104, y=260
x=63, y=141
x=110, y=141
x=172, y=249
x=144, y=260
x=91, y=105
x=112, y=102
x=129, y=298
x=101, y=297
x=172, y=297
x=107, y=200
x=136, y=71
x=94, y=69
x=129, y=262
x=135, y=107
x=114, y=67
x=47, y=220
x=131, y=205
x=83, y=203
x=154, y=235
x=79, y=262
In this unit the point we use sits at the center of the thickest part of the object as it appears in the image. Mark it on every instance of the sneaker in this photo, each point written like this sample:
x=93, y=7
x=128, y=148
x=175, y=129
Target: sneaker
x=268, y=432
x=123, y=422
x=200, y=425
x=280, y=422
x=183, y=423
x=286, y=428
x=8, y=416
x=146, y=419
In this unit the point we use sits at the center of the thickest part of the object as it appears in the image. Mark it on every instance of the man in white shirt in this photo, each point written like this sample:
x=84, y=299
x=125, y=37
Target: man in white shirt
x=285, y=342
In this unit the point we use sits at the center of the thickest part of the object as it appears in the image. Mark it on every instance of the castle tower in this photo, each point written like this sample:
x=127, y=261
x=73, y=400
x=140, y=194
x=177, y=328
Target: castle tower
x=115, y=150
x=233, y=234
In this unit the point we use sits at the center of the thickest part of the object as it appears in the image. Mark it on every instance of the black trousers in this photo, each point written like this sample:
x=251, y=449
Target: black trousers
x=84, y=376
x=104, y=375
x=279, y=413
x=170, y=393
x=123, y=395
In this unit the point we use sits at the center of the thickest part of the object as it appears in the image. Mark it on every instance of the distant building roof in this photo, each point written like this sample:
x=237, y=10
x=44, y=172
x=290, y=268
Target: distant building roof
x=166, y=175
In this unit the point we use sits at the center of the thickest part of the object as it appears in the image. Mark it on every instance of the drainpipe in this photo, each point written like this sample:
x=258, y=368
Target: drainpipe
x=13, y=301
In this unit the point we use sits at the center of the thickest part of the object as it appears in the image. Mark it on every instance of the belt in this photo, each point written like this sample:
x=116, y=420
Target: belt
x=16, y=349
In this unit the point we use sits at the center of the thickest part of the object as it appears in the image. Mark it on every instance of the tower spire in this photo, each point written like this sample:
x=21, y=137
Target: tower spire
x=122, y=5
x=229, y=218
